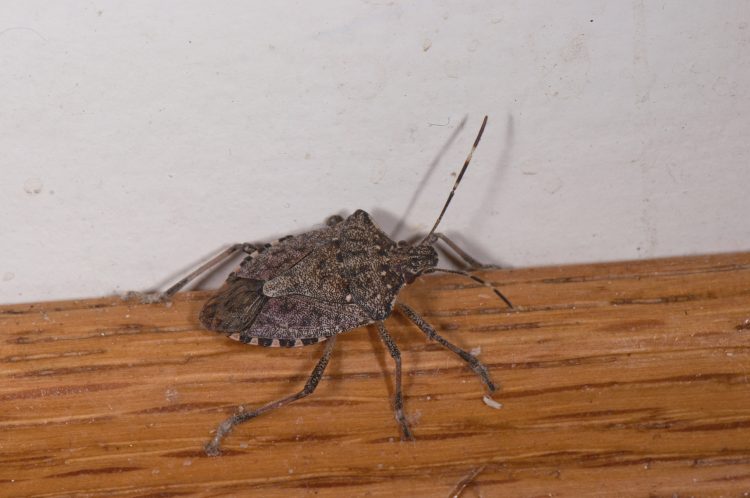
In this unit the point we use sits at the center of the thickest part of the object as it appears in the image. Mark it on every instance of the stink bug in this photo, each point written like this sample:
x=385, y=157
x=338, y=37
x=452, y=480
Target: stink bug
x=309, y=288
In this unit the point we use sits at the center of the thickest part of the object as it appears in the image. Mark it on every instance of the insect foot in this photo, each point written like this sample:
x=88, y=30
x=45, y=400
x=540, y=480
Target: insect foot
x=308, y=288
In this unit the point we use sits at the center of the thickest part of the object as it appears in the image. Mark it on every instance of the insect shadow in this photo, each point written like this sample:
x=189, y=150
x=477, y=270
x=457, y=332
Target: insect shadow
x=426, y=177
x=502, y=166
x=308, y=288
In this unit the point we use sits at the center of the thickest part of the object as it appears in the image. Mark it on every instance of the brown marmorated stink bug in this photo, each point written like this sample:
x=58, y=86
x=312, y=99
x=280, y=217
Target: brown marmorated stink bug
x=308, y=288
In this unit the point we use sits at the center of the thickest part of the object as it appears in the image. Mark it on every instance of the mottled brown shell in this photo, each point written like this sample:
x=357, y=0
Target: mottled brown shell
x=311, y=286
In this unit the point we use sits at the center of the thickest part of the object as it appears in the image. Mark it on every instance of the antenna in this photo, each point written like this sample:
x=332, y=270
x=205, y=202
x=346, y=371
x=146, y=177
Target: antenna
x=458, y=180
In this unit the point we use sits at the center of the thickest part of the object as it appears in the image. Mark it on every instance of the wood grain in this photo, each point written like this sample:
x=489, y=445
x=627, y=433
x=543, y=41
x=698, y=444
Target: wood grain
x=623, y=379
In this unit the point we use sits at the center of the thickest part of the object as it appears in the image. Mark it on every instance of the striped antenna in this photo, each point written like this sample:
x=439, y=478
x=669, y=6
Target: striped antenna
x=458, y=180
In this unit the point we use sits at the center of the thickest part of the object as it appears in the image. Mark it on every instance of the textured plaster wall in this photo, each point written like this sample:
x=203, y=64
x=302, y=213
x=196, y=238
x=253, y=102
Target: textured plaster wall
x=139, y=137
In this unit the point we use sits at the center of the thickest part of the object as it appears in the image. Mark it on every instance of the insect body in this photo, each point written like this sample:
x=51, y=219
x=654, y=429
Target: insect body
x=308, y=288
x=316, y=285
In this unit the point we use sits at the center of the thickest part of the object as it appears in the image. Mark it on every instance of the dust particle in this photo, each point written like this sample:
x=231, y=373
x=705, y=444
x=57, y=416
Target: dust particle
x=33, y=186
x=426, y=44
x=491, y=402
x=171, y=394
x=413, y=418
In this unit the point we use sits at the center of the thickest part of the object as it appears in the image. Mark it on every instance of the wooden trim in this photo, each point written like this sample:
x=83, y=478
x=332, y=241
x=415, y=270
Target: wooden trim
x=621, y=379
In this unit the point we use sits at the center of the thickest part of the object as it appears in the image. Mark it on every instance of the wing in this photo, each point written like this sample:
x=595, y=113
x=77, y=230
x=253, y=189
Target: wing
x=242, y=311
x=363, y=253
x=235, y=306
x=317, y=275
x=283, y=254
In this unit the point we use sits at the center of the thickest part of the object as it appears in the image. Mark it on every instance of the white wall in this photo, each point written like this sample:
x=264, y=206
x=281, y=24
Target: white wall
x=139, y=137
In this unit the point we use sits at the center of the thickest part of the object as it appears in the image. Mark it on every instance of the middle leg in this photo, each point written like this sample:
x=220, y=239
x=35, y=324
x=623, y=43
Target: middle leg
x=398, y=403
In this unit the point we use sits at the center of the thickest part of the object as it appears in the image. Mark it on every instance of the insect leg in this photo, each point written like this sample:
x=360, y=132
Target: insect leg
x=473, y=263
x=212, y=448
x=334, y=220
x=473, y=362
x=155, y=297
x=398, y=403
x=476, y=279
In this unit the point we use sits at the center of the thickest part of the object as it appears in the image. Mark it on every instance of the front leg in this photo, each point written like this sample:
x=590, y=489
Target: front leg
x=469, y=358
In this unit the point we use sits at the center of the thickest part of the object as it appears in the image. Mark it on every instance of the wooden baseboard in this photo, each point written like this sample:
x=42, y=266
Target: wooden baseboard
x=622, y=379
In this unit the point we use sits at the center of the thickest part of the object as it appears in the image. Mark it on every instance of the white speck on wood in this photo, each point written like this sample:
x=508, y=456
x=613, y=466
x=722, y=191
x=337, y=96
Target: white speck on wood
x=491, y=402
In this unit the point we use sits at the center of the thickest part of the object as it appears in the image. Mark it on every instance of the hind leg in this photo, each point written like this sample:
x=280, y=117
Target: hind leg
x=156, y=297
x=212, y=448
